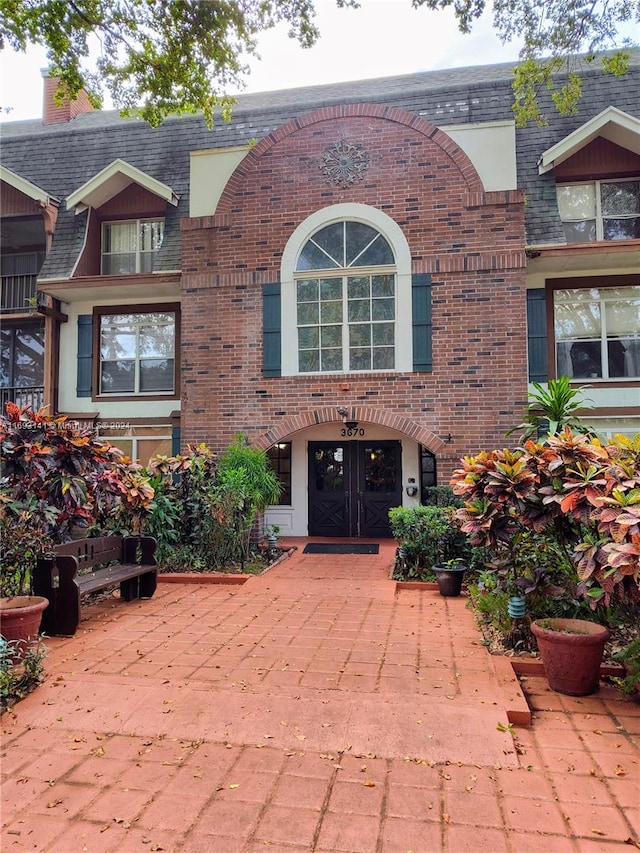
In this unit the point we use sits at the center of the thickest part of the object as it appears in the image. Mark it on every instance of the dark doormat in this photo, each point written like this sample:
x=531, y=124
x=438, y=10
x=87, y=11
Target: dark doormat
x=340, y=548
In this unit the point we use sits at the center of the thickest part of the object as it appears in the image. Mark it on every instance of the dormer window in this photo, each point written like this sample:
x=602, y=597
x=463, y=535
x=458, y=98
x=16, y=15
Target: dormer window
x=128, y=246
x=600, y=210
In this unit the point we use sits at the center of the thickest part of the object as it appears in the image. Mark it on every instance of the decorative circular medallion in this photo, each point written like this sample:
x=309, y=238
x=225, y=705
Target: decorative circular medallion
x=344, y=163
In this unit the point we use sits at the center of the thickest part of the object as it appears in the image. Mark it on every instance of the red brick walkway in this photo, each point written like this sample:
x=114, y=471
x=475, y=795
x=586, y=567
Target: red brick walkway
x=315, y=708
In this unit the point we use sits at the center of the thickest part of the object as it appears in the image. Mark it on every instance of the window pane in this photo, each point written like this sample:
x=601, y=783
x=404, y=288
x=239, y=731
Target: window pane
x=620, y=198
x=117, y=344
x=377, y=254
x=156, y=342
x=307, y=291
x=577, y=320
x=359, y=310
x=580, y=232
x=360, y=359
x=117, y=377
x=359, y=287
x=331, y=336
x=580, y=360
x=151, y=234
x=331, y=312
x=383, y=334
x=309, y=361
x=360, y=335
x=331, y=240
x=383, y=285
x=383, y=309
x=308, y=313
x=383, y=358
x=624, y=357
x=332, y=359
x=308, y=337
x=156, y=375
x=330, y=288
x=118, y=264
x=623, y=317
x=577, y=202
x=359, y=236
x=279, y=456
x=121, y=237
x=621, y=229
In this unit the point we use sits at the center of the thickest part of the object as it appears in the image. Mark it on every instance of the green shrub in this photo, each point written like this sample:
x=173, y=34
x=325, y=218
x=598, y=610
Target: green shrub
x=19, y=675
x=427, y=535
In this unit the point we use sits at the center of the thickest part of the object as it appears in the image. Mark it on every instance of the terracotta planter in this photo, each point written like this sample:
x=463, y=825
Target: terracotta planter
x=571, y=652
x=20, y=618
x=449, y=579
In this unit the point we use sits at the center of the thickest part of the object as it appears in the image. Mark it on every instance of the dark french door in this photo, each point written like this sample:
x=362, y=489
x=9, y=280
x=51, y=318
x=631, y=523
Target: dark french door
x=352, y=487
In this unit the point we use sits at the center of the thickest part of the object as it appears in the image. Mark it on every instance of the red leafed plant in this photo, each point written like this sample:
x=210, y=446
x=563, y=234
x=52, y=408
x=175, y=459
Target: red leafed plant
x=585, y=494
x=55, y=477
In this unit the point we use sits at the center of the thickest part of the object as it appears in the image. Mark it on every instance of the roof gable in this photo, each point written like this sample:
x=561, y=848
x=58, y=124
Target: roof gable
x=114, y=178
x=24, y=186
x=612, y=124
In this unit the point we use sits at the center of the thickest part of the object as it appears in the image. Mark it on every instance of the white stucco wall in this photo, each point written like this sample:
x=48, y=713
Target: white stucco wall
x=491, y=147
x=209, y=172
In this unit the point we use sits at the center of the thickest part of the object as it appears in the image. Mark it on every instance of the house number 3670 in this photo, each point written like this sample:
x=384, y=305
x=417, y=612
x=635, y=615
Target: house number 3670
x=349, y=432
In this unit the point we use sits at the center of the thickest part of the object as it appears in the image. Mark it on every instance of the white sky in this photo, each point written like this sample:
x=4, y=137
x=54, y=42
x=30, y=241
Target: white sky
x=382, y=38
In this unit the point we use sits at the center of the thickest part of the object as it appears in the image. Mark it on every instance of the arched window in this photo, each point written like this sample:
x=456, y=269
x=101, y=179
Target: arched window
x=346, y=300
x=346, y=294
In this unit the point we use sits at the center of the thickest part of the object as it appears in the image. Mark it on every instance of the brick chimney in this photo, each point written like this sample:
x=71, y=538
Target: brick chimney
x=53, y=114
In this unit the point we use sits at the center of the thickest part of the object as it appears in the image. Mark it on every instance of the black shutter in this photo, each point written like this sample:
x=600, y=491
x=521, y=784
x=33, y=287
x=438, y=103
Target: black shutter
x=421, y=315
x=175, y=440
x=85, y=355
x=271, y=330
x=537, y=335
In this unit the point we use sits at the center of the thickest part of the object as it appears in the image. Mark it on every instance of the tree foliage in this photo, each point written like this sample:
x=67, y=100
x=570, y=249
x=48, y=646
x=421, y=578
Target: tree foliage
x=157, y=58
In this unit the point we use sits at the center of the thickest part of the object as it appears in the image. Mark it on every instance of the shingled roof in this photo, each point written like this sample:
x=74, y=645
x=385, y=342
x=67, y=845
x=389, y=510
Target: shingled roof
x=61, y=157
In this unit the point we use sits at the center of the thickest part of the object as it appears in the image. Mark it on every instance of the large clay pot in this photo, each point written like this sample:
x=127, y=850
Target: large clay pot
x=450, y=579
x=571, y=652
x=20, y=618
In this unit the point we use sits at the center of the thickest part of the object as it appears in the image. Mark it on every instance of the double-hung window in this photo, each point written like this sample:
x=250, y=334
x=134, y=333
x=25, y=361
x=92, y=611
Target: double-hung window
x=600, y=210
x=346, y=300
x=137, y=353
x=597, y=332
x=129, y=246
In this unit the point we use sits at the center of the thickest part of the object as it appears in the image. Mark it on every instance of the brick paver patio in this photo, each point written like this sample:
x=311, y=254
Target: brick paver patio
x=316, y=708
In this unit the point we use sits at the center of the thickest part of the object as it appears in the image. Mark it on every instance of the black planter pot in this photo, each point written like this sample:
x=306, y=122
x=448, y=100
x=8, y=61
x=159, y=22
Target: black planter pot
x=450, y=579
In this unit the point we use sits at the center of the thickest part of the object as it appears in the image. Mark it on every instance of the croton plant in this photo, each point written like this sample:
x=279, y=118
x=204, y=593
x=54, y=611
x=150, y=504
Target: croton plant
x=57, y=477
x=584, y=493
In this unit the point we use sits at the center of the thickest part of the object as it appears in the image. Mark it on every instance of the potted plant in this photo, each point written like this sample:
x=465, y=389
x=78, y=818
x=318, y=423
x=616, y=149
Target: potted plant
x=576, y=490
x=449, y=576
x=571, y=652
x=271, y=532
x=20, y=611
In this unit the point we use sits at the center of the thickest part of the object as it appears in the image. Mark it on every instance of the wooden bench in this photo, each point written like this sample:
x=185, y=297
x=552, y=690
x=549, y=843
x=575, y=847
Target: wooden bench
x=58, y=576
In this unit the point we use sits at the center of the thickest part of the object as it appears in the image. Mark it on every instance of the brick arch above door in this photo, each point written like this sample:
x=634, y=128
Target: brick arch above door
x=393, y=114
x=362, y=414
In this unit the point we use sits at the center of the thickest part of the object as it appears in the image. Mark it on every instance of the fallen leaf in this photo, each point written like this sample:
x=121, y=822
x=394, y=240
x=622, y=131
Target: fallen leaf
x=620, y=771
x=369, y=784
x=597, y=831
x=235, y=785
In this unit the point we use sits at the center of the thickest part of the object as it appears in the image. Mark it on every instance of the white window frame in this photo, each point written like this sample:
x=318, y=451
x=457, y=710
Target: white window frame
x=139, y=253
x=605, y=295
x=136, y=392
x=599, y=218
x=392, y=232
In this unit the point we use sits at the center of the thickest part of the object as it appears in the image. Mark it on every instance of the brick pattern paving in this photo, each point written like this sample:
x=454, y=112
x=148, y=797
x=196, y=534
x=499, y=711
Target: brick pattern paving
x=312, y=709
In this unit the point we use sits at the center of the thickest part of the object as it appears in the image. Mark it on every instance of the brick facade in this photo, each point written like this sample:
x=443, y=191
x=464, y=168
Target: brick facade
x=472, y=242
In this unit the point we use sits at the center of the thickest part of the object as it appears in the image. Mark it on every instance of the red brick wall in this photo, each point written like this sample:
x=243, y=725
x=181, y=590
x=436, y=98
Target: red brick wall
x=54, y=114
x=471, y=242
